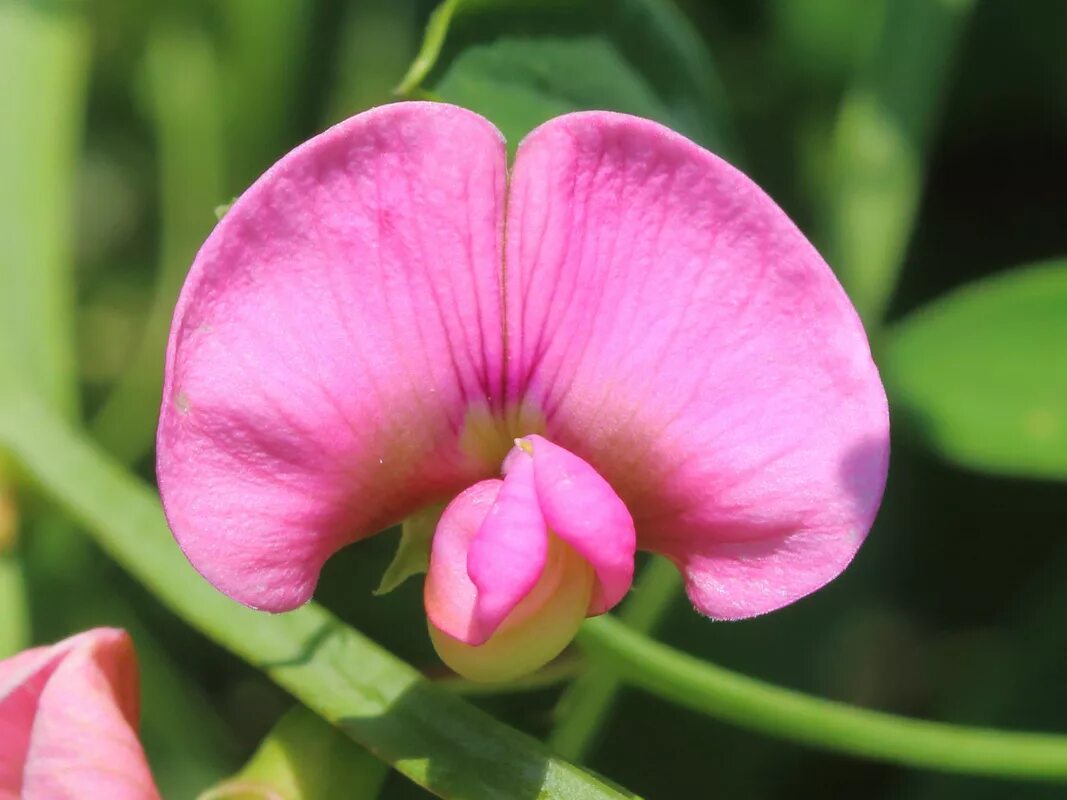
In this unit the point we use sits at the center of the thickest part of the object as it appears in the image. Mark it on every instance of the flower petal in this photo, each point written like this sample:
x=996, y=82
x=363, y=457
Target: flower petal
x=488, y=553
x=68, y=718
x=683, y=337
x=84, y=741
x=450, y=595
x=584, y=511
x=507, y=554
x=22, y=679
x=335, y=334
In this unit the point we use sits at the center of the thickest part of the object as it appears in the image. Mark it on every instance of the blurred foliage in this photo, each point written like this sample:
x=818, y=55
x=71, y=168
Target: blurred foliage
x=303, y=758
x=129, y=121
x=983, y=372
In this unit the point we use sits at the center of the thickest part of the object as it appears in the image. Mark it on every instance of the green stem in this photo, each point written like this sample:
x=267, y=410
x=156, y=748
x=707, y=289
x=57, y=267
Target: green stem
x=697, y=685
x=879, y=143
x=585, y=707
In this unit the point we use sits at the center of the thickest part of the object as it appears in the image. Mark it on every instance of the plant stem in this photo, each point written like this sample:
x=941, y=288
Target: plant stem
x=585, y=707
x=697, y=685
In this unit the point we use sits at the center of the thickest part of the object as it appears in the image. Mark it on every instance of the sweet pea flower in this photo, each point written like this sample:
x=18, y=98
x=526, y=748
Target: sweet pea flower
x=68, y=722
x=619, y=343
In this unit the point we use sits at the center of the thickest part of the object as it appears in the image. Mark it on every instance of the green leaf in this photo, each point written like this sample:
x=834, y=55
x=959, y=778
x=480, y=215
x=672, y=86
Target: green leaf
x=413, y=553
x=304, y=758
x=428, y=734
x=982, y=372
x=521, y=62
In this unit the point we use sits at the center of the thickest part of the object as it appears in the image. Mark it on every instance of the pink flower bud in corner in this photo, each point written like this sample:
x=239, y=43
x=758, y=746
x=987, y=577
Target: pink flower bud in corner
x=68, y=722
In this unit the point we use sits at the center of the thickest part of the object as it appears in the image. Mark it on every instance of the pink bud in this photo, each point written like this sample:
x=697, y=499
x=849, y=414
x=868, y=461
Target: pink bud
x=68, y=722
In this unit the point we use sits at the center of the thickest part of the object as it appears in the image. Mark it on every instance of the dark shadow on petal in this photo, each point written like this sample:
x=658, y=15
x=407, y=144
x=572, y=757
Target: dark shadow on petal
x=863, y=471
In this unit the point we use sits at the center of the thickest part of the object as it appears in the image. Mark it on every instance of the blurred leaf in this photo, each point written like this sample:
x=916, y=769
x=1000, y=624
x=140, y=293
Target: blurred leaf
x=266, y=47
x=879, y=146
x=14, y=614
x=428, y=734
x=304, y=758
x=44, y=60
x=826, y=38
x=521, y=62
x=982, y=372
x=376, y=44
x=183, y=79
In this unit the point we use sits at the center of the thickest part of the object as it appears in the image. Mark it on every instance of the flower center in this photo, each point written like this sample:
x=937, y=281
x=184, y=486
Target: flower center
x=516, y=564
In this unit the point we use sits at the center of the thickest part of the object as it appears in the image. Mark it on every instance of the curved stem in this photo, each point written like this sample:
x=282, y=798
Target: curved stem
x=585, y=706
x=695, y=684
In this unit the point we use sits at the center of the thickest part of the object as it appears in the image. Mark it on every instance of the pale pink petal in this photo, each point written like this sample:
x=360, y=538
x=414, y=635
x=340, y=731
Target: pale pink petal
x=507, y=554
x=22, y=679
x=68, y=719
x=582, y=509
x=684, y=338
x=84, y=742
x=450, y=595
x=336, y=333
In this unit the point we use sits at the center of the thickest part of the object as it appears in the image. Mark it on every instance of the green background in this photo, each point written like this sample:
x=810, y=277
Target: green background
x=919, y=144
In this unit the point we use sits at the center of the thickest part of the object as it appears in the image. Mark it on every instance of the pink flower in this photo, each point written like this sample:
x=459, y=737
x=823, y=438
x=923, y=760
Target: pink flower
x=374, y=323
x=68, y=722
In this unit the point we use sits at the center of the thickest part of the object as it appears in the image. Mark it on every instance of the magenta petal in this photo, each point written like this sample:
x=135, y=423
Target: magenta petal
x=583, y=510
x=684, y=338
x=334, y=333
x=507, y=555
